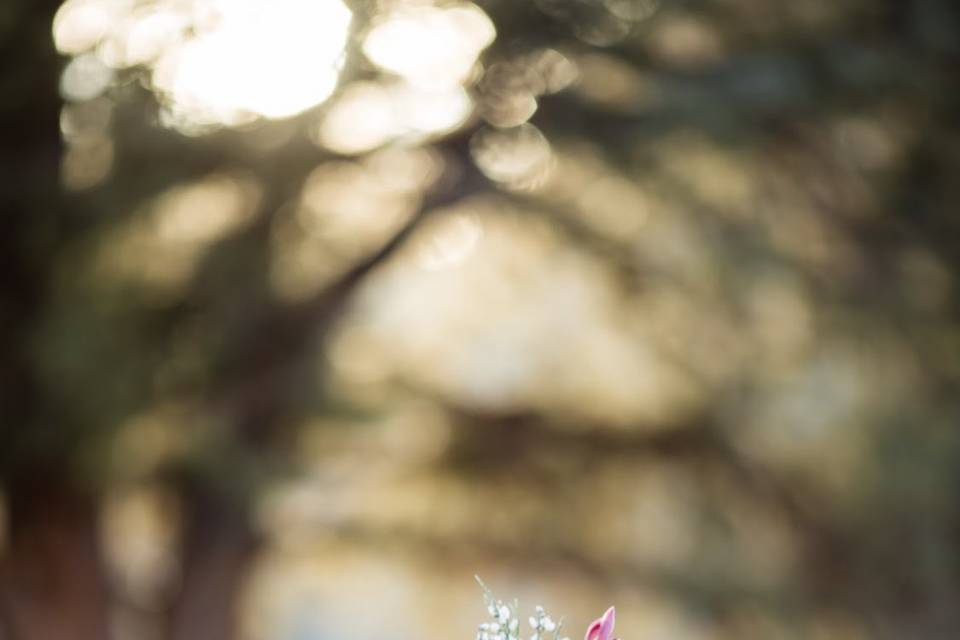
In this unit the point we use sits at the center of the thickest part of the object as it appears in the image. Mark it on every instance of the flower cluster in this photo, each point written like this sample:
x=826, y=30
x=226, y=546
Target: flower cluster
x=542, y=624
x=506, y=621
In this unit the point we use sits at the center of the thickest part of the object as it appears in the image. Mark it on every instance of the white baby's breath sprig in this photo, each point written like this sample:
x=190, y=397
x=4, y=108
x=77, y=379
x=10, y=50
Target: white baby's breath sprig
x=542, y=624
x=506, y=620
x=504, y=615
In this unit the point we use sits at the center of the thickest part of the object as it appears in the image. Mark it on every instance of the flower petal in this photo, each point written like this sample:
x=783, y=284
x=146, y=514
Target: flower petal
x=602, y=627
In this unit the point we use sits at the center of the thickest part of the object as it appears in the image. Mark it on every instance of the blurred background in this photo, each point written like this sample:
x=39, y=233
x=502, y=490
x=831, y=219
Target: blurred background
x=313, y=309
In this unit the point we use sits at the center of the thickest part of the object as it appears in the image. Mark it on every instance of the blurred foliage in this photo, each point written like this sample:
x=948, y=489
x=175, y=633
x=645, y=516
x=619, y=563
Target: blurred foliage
x=645, y=301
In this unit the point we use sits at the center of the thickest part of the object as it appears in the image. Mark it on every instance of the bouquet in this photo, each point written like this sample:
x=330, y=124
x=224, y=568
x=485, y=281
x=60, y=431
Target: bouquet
x=506, y=622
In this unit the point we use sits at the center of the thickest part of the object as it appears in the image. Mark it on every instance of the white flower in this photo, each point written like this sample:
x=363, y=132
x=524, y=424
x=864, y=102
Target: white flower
x=506, y=622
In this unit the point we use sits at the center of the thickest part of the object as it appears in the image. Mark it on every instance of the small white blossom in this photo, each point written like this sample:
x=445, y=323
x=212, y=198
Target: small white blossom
x=507, y=621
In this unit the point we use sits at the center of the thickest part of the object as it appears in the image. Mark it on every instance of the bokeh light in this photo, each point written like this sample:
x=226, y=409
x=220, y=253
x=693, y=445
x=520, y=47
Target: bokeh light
x=431, y=47
x=223, y=62
x=368, y=115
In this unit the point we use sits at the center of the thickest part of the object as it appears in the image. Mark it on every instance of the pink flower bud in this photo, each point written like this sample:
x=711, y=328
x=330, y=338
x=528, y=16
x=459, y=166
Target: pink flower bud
x=601, y=628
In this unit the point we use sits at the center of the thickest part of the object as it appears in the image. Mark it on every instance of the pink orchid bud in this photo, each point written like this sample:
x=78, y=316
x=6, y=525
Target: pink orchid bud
x=601, y=628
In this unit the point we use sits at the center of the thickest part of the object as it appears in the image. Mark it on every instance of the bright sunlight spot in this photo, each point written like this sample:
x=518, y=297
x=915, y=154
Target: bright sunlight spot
x=431, y=47
x=274, y=60
x=225, y=62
